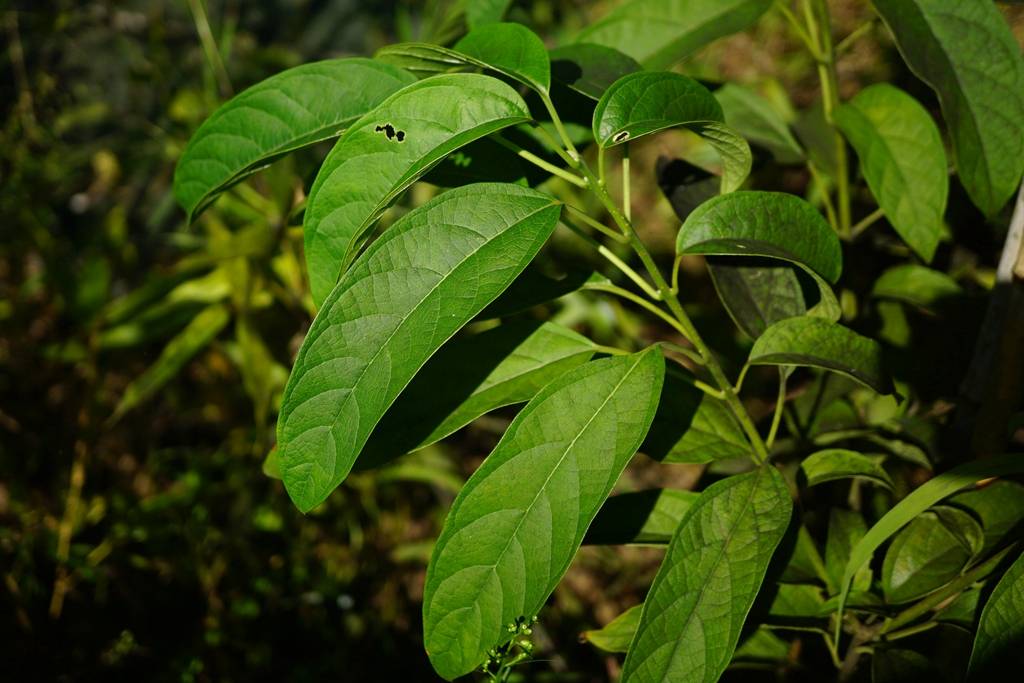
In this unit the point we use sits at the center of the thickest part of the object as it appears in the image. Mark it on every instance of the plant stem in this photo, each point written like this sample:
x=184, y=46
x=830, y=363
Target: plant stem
x=541, y=163
x=849, y=40
x=555, y=119
x=627, y=207
x=830, y=209
x=820, y=29
x=866, y=222
x=610, y=256
x=682, y=350
x=760, y=452
x=638, y=300
x=209, y=44
x=798, y=27
x=780, y=403
x=596, y=225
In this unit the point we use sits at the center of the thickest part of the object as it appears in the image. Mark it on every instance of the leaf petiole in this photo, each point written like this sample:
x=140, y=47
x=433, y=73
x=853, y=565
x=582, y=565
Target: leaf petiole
x=541, y=163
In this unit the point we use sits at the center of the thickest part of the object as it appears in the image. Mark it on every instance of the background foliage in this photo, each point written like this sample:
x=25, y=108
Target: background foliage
x=138, y=532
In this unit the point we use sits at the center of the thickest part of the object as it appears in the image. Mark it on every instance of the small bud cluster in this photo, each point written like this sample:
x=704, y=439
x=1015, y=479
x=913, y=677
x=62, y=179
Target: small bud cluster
x=502, y=658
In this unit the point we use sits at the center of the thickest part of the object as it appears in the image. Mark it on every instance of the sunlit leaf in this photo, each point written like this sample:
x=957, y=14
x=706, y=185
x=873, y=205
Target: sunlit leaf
x=661, y=32
x=712, y=572
x=387, y=150
x=412, y=290
x=480, y=12
x=966, y=52
x=902, y=159
x=617, y=634
x=287, y=111
x=818, y=343
x=518, y=522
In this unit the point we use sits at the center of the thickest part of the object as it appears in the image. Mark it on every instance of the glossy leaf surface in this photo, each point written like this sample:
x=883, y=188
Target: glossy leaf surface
x=292, y=109
x=997, y=643
x=481, y=12
x=470, y=376
x=712, y=572
x=772, y=224
x=966, y=52
x=387, y=150
x=903, y=160
x=816, y=342
x=516, y=525
x=412, y=290
x=836, y=463
x=659, y=33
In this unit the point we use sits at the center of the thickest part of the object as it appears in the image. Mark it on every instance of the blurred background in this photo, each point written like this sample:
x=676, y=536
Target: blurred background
x=142, y=533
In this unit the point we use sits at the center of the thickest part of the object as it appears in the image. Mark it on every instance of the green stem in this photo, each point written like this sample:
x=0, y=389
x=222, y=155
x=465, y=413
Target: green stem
x=627, y=203
x=849, y=40
x=574, y=155
x=541, y=163
x=209, y=44
x=795, y=24
x=682, y=350
x=685, y=324
x=830, y=209
x=596, y=225
x=866, y=222
x=638, y=300
x=780, y=403
x=610, y=256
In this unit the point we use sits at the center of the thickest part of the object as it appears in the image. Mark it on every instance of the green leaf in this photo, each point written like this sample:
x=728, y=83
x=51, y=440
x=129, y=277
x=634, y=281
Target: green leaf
x=762, y=645
x=1000, y=508
x=617, y=634
x=837, y=463
x=647, y=102
x=902, y=159
x=693, y=427
x=516, y=525
x=471, y=376
x=918, y=286
x=845, y=529
x=918, y=501
x=796, y=602
x=659, y=33
x=478, y=162
x=481, y=12
x=997, y=643
x=590, y=69
x=292, y=109
x=818, y=343
x=754, y=117
x=386, y=151
x=966, y=52
x=756, y=292
x=648, y=517
x=772, y=224
x=709, y=578
x=408, y=293
x=203, y=329
x=511, y=49
x=534, y=288
x=928, y=553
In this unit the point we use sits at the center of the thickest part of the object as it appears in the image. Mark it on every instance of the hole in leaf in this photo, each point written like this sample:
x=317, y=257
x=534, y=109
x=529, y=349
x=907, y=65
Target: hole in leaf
x=621, y=137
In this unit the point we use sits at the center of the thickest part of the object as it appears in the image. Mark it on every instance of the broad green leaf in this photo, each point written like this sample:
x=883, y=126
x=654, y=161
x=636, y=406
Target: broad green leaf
x=922, y=498
x=756, y=292
x=693, y=427
x=902, y=159
x=964, y=610
x=408, y=293
x=966, y=52
x=794, y=601
x=918, y=286
x=618, y=633
x=804, y=564
x=1000, y=508
x=928, y=553
x=762, y=645
x=772, y=224
x=845, y=529
x=196, y=336
x=590, y=69
x=386, y=151
x=837, y=463
x=709, y=578
x=650, y=517
x=471, y=376
x=518, y=522
x=646, y=102
x=292, y=109
x=997, y=643
x=481, y=12
x=818, y=343
x=754, y=117
x=659, y=33
x=511, y=50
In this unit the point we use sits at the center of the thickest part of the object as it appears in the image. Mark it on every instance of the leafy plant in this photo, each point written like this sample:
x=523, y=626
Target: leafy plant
x=430, y=316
